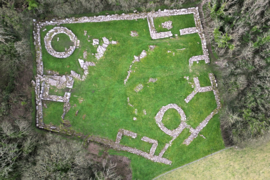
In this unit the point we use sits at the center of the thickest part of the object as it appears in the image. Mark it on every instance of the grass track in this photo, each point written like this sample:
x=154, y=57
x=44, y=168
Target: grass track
x=248, y=163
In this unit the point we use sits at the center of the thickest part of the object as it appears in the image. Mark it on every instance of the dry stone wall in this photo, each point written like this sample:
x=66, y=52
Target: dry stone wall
x=183, y=124
x=149, y=155
x=179, y=129
x=213, y=87
x=153, y=33
x=101, y=49
x=191, y=30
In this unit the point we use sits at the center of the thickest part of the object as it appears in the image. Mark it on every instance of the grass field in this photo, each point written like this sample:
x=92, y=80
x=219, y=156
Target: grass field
x=101, y=100
x=248, y=163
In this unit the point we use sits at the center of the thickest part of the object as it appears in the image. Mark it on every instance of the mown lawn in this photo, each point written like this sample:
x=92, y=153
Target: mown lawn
x=248, y=163
x=101, y=100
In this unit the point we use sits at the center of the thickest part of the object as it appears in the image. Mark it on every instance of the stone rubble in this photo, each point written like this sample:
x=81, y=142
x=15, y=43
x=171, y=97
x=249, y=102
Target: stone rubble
x=129, y=103
x=138, y=88
x=84, y=66
x=48, y=39
x=136, y=59
x=50, y=72
x=134, y=33
x=186, y=77
x=152, y=80
x=113, y=42
x=95, y=42
x=144, y=112
x=151, y=47
x=199, y=58
x=167, y=25
x=85, y=32
x=101, y=49
x=33, y=83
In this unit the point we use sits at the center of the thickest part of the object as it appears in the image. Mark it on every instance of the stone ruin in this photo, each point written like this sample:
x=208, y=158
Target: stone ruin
x=101, y=49
x=183, y=124
x=84, y=66
x=48, y=40
x=134, y=33
x=42, y=87
x=153, y=32
x=43, y=82
x=95, y=42
x=198, y=88
x=167, y=25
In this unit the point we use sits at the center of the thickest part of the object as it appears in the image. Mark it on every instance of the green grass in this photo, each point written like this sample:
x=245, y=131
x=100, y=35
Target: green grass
x=101, y=100
x=63, y=43
x=53, y=113
x=171, y=119
x=55, y=91
x=179, y=22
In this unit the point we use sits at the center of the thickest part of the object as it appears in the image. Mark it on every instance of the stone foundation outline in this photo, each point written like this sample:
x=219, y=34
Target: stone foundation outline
x=135, y=16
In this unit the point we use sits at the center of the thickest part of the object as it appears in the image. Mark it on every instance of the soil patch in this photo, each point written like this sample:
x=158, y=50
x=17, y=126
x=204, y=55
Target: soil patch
x=94, y=148
x=123, y=166
x=122, y=163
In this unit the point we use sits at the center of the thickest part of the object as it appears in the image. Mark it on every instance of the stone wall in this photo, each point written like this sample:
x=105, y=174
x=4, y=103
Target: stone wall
x=191, y=30
x=149, y=155
x=198, y=88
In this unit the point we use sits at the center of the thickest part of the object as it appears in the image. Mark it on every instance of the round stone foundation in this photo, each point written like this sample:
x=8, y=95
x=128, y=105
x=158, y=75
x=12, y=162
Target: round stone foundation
x=48, y=42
